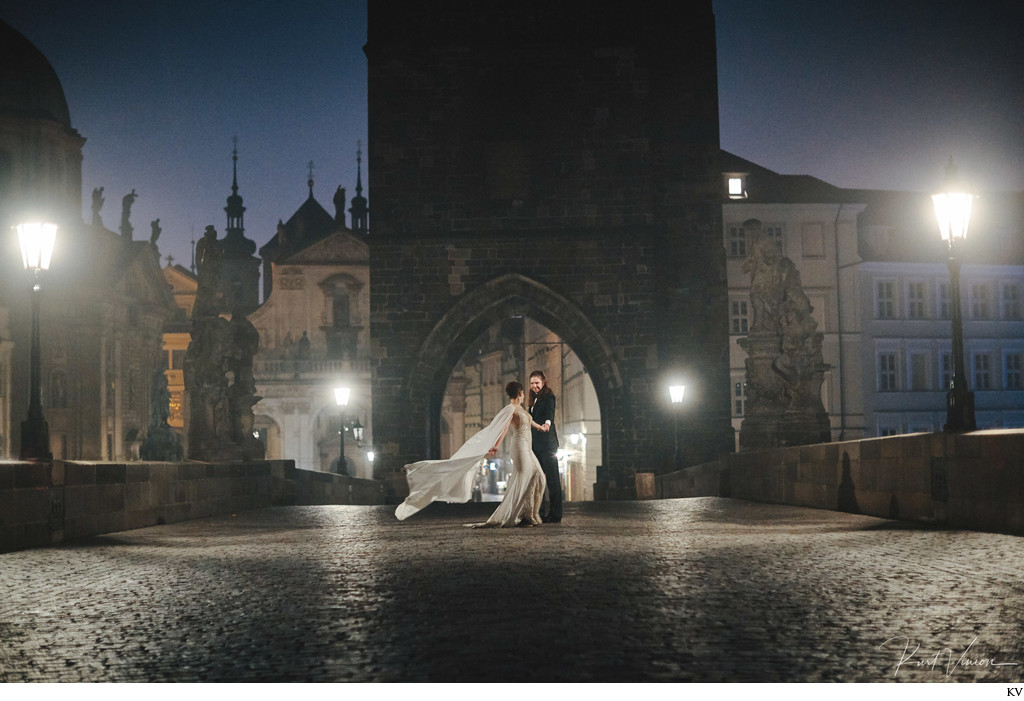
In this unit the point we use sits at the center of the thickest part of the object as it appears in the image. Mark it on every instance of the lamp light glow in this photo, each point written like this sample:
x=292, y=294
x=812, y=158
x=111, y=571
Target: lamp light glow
x=341, y=395
x=952, y=206
x=36, y=240
x=676, y=392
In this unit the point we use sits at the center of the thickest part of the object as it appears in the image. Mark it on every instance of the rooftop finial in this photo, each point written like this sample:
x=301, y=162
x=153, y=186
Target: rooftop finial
x=234, y=165
x=359, y=168
x=310, y=181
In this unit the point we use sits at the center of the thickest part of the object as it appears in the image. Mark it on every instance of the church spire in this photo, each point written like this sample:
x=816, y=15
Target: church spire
x=359, y=209
x=235, y=210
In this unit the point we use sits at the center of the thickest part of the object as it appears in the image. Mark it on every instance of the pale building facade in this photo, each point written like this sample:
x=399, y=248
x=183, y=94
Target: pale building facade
x=315, y=336
x=874, y=269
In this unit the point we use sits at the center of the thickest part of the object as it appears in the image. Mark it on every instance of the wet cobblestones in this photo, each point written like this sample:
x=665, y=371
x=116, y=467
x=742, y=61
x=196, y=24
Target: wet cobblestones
x=678, y=590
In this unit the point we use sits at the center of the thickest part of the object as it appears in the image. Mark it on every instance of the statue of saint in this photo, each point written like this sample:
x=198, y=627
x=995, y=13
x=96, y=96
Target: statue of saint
x=156, y=230
x=126, y=210
x=97, y=205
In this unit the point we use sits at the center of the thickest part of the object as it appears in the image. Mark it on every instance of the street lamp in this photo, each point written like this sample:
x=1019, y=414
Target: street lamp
x=341, y=395
x=676, y=394
x=953, y=211
x=36, y=240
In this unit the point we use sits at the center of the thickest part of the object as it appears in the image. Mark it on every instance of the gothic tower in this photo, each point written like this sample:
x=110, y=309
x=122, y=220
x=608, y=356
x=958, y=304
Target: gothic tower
x=359, y=210
x=240, y=269
x=558, y=159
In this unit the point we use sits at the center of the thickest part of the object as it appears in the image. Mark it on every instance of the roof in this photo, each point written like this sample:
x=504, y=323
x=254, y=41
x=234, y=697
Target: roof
x=309, y=224
x=29, y=86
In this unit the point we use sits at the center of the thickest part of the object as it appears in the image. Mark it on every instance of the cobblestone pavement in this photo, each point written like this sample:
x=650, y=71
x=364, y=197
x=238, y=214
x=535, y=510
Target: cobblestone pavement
x=680, y=590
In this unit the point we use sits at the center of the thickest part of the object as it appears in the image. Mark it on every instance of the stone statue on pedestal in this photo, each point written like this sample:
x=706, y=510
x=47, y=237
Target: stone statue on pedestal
x=785, y=368
x=219, y=378
x=97, y=205
x=161, y=442
x=126, y=211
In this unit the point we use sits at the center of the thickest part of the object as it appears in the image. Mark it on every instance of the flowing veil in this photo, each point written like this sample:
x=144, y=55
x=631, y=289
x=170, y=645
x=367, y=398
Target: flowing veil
x=451, y=480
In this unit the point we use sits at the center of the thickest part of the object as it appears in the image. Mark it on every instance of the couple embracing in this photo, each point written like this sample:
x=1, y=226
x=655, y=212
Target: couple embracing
x=535, y=464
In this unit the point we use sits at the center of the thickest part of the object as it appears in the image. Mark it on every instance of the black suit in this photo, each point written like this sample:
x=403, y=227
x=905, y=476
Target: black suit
x=545, y=445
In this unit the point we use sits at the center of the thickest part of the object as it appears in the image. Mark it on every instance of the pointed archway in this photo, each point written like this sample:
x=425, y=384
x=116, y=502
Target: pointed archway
x=501, y=298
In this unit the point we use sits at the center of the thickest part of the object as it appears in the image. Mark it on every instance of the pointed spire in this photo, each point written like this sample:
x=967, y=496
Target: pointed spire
x=310, y=180
x=359, y=168
x=235, y=210
x=359, y=210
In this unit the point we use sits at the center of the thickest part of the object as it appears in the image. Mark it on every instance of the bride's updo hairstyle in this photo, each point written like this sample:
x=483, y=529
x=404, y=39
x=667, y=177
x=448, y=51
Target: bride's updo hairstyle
x=513, y=389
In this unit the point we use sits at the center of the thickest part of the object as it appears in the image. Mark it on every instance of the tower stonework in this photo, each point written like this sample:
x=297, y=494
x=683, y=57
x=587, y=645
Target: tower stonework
x=555, y=159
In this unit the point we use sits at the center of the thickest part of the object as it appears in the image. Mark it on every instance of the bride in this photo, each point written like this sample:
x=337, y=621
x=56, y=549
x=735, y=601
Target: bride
x=451, y=480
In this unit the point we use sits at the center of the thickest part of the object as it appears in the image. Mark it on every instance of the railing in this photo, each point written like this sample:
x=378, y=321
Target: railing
x=263, y=369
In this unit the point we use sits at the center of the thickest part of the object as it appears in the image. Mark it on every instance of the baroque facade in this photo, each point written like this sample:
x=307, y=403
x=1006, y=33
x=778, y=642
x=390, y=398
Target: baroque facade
x=314, y=336
x=104, y=299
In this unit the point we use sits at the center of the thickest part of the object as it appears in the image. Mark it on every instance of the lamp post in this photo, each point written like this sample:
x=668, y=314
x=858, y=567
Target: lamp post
x=953, y=211
x=341, y=395
x=676, y=394
x=36, y=240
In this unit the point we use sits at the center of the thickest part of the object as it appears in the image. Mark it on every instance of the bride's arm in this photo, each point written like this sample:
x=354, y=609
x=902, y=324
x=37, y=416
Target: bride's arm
x=494, y=450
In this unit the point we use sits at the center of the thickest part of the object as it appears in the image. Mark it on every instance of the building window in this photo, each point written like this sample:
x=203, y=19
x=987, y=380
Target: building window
x=340, y=308
x=774, y=233
x=947, y=370
x=981, y=306
x=737, y=242
x=887, y=374
x=919, y=372
x=813, y=241
x=888, y=430
x=735, y=184
x=1010, y=301
x=982, y=371
x=915, y=300
x=739, y=317
x=739, y=398
x=944, y=300
x=1012, y=369
x=885, y=300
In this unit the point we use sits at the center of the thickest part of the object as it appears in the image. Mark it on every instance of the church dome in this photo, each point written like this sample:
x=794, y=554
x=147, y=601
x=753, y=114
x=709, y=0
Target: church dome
x=29, y=86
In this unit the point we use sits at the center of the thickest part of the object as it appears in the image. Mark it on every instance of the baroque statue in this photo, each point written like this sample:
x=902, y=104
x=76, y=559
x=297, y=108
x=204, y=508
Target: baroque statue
x=219, y=379
x=784, y=367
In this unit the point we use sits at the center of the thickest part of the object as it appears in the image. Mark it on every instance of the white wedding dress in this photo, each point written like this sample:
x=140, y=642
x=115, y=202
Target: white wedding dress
x=451, y=480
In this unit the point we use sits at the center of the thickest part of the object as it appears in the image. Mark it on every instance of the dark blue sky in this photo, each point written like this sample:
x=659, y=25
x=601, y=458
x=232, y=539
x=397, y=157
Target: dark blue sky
x=860, y=93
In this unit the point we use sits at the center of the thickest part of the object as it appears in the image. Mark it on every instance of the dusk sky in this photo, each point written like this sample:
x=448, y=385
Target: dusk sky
x=867, y=94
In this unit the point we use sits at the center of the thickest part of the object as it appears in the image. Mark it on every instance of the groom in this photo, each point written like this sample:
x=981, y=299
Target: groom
x=545, y=441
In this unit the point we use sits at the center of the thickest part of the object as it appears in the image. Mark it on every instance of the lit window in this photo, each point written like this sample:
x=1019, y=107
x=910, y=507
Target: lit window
x=736, y=191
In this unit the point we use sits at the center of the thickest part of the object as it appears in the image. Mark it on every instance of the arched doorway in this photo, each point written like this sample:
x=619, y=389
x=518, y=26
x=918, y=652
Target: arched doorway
x=511, y=350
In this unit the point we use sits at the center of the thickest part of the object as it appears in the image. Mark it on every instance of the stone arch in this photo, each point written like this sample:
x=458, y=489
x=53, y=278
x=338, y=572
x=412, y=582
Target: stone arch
x=502, y=297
